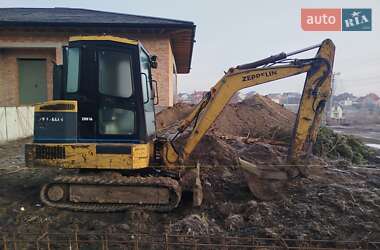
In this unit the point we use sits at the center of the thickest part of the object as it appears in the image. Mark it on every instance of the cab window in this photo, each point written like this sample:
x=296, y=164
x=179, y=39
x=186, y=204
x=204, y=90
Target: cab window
x=116, y=121
x=147, y=93
x=72, y=70
x=115, y=73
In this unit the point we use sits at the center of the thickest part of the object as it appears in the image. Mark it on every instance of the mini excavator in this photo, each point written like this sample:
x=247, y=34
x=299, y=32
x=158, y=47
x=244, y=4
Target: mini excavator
x=101, y=124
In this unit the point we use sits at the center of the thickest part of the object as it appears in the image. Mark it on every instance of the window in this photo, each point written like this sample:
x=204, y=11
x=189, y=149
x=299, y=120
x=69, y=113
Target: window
x=73, y=70
x=145, y=64
x=115, y=74
x=116, y=121
x=147, y=93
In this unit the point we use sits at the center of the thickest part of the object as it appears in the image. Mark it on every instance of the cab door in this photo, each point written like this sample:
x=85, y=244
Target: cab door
x=117, y=109
x=148, y=98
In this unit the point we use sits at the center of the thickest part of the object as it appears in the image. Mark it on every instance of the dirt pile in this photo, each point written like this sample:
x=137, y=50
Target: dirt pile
x=170, y=116
x=257, y=116
x=248, y=127
x=332, y=203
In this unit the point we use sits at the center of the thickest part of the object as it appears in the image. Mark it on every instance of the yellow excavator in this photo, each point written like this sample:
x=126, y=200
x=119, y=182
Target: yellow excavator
x=101, y=124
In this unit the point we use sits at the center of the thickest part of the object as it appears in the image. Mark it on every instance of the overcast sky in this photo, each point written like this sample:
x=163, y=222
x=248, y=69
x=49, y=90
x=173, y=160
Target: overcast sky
x=234, y=32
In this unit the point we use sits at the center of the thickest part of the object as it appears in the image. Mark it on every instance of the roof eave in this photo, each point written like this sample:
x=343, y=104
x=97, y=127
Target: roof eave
x=191, y=49
x=76, y=24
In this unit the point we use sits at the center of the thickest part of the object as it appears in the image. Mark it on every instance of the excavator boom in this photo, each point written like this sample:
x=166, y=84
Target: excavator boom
x=316, y=91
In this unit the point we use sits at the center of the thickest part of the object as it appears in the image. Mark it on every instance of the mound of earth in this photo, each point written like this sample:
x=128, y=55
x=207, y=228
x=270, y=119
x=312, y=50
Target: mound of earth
x=257, y=116
x=237, y=130
x=168, y=117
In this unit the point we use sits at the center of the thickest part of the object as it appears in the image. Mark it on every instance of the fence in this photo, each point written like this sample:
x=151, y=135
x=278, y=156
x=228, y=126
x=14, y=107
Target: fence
x=15, y=123
x=107, y=241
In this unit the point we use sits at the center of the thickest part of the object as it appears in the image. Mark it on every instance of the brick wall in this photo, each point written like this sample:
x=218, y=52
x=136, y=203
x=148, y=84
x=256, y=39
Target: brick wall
x=161, y=48
x=9, y=96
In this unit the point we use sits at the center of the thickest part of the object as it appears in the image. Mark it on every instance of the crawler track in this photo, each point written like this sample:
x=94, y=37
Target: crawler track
x=136, y=181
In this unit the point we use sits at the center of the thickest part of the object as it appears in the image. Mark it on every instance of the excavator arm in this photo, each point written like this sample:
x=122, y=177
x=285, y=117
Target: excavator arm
x=316, y=91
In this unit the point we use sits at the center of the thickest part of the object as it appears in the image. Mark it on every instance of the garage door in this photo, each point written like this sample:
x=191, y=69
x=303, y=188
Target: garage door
x=32, y=81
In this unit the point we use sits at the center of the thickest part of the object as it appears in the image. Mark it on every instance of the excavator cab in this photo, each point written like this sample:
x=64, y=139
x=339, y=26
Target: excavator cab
x=101, y=123
x=109, y=84
x=102, y=115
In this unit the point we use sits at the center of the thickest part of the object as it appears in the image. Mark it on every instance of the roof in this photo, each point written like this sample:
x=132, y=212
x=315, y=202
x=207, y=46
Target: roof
x=181, y=32
x=82, y=16
x=370, y=97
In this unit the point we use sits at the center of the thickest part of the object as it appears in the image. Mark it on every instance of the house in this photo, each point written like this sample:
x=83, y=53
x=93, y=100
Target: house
x=291, y=98
x=276, y=97
x=292, y=107
x=370, y=101
x=184, y=98
x=347, y=102
x=336, y=112
x=197, y=96
x=32, y=38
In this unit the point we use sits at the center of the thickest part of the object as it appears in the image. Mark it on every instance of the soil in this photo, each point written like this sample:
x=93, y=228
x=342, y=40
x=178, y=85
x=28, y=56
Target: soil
x=256, y=116
x=336, y=201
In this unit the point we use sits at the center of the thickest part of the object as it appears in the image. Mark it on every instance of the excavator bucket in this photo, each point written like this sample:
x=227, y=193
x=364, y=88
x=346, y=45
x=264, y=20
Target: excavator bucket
x=266, y=182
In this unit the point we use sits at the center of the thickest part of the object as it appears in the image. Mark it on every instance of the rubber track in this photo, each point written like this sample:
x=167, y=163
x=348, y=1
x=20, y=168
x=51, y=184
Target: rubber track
x=171, y=184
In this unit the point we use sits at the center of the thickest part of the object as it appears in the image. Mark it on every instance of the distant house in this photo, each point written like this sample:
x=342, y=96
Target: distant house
x=347, y=102
x=336, y=112
x=238, y=97
x=370, y=101
x=184, y=98
x=197, y=96
x=292, y=107
x=286, y=98
x=31, y=38
x=276, y=97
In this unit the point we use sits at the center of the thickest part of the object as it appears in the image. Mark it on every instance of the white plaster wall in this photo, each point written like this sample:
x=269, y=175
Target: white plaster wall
x=16, y=123
x=3, y=126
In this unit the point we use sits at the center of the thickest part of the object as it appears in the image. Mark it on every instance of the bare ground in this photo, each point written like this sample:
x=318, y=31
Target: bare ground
x=334, y=203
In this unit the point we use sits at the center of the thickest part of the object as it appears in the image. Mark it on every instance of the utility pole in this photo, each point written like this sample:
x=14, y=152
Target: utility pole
x=333, y=87
x=331, y=100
